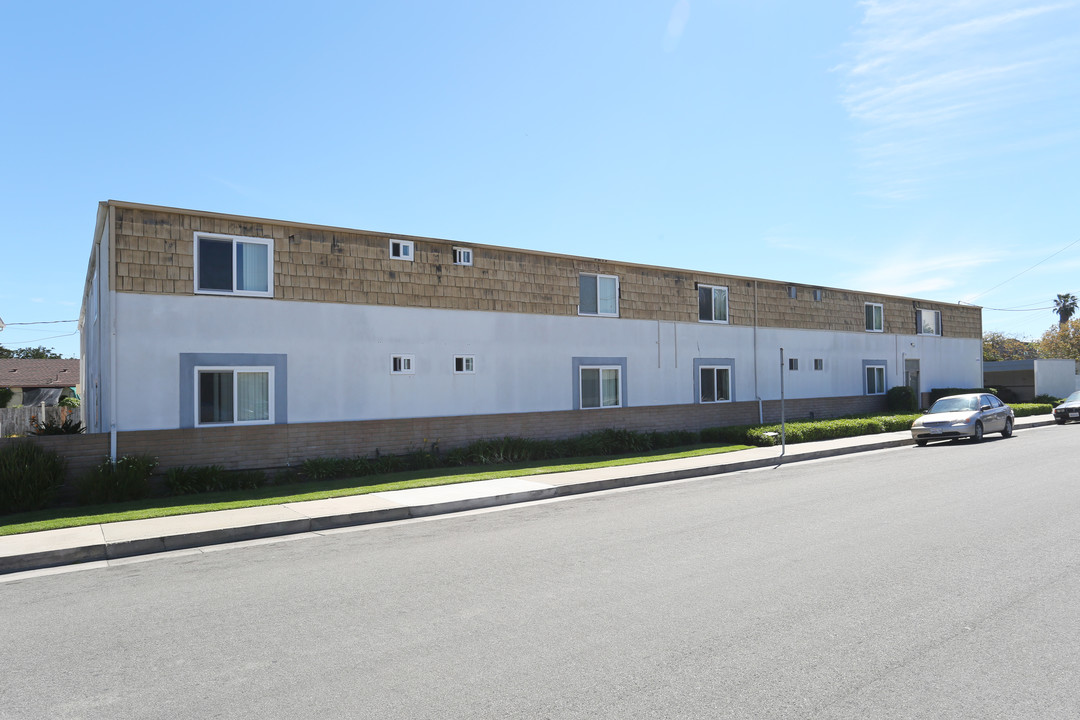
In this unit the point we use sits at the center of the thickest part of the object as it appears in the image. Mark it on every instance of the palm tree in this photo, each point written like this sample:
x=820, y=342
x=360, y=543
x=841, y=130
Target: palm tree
x=1065, y=306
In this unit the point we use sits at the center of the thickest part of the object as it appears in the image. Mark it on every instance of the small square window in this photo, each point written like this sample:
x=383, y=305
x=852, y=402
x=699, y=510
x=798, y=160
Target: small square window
x=818, y=295
x=464, y=364
x=401, y=364
x=401, y=249
x=819, y=364
x=793, y=292
x=462, y=256
x=793, y=363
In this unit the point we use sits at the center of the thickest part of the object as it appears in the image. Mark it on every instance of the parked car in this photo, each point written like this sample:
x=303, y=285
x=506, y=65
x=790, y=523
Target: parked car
x=1068, y=410
x=956, y=416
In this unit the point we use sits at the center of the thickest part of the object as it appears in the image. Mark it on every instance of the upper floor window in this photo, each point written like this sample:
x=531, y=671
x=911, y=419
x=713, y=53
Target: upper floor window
x=929, y=322
x=793, y=364
x=401, y=249
x=599, y=295
x=712, y=303
x=818, y=294
x=462, y=256
x=875, y=317
x=233, y=265
x=793, y=292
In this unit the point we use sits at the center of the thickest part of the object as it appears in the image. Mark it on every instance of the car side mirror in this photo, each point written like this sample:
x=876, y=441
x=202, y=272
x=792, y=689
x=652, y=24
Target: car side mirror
x=986, y=407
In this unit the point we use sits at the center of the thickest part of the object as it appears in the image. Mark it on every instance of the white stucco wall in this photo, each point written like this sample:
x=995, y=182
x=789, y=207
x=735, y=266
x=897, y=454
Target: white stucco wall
x=1055, y=377
x=338, y=357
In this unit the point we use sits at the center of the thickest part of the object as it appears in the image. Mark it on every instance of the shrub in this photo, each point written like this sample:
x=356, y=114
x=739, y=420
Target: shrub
x=5, y=396
x=900, y=399
x=1028, y=409
x=211, y=478
x=1048, y=400
x=68, y=427
x=29, y=477
x=128, y=479
x=69, y=402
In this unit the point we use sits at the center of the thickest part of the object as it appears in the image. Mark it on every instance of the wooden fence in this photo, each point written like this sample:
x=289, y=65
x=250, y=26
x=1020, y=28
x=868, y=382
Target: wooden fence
x=17, y=422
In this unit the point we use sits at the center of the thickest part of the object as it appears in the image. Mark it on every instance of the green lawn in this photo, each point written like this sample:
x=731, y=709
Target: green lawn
x=55, y=518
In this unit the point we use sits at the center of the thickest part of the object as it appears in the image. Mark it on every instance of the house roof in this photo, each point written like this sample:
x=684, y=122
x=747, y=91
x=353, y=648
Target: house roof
x=39, y=373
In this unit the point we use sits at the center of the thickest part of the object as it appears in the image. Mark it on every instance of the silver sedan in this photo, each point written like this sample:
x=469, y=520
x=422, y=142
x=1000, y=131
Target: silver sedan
x=956, y=416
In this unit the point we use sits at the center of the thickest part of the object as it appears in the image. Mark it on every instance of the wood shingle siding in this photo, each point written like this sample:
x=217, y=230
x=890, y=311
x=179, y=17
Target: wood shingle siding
x=154, y=253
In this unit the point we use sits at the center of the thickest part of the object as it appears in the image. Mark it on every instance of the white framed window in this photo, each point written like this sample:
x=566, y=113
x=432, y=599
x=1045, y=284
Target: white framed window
x=875, y=379
x=793, y=292
x=234, y=395
x=401, y=249
x=875, y=317
x=818, y=294
x=929, y=322
x=715, y=383
x=819, y=363
x=402, y=364
x=462, y=256
x=600, y=387
x=464, y=364
x=234, y=265
x=598, y=295
x=712, y=303
x=793, y=364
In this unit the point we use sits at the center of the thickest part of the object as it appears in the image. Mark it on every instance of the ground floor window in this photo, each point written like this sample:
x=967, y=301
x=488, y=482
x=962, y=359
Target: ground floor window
x=228, y=396
x=875, y=379
x=715, y=384
x=600, y=387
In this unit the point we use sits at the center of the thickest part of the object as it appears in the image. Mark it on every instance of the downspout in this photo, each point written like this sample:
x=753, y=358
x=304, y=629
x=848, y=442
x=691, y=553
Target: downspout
x=112, y=335
x=760, y=409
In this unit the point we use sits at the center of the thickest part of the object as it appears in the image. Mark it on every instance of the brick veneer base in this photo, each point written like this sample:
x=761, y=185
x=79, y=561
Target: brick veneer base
x=283, y=446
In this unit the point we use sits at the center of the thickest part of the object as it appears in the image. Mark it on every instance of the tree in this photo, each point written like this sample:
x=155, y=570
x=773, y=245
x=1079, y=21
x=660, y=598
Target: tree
x=999, y=346
x=35, y=353
x=1065, y=307
x=1062, y=341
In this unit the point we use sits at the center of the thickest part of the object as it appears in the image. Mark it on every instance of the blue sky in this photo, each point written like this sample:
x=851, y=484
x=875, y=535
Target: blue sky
x=923, y=147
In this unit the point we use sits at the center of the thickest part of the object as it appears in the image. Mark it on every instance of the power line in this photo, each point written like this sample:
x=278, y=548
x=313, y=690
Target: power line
x=1030, y=268
x=43, y=322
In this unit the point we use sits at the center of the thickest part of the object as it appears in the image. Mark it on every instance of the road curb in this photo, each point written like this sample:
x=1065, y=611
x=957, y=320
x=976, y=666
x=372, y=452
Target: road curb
x=82, y=552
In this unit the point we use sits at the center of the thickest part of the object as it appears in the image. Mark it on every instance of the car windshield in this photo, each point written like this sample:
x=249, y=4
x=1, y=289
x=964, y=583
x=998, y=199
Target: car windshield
x=1074, y=397
x=955, y=404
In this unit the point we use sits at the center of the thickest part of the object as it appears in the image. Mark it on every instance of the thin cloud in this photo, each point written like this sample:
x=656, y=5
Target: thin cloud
x=680, y=15
x=930, y=85
x=929, y=274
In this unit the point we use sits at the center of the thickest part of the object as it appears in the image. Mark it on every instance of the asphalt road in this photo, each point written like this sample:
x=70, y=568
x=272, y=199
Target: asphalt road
x=937, y=582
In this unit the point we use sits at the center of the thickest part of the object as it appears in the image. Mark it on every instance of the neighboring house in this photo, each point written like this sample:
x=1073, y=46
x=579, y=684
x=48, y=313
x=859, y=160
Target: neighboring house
x=1030, y=378
x=33, y=382
x=200, y=320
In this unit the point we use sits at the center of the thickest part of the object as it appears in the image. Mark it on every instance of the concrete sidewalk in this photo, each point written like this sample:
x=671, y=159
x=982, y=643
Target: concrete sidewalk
x=112, y=541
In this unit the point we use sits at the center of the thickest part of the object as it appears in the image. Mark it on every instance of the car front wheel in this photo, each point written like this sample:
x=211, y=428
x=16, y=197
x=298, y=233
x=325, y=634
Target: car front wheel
x=1007, y=432
x=977, y=437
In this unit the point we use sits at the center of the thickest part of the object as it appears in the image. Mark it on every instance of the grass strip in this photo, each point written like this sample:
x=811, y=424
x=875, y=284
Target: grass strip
x=66, y=517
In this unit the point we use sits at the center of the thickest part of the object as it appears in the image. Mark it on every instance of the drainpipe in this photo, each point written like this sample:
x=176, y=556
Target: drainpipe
x=112, y=334
x=760, y=408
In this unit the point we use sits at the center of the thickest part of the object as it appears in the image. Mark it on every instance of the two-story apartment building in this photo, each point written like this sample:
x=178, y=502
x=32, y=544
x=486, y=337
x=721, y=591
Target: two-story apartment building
x=202, y=320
